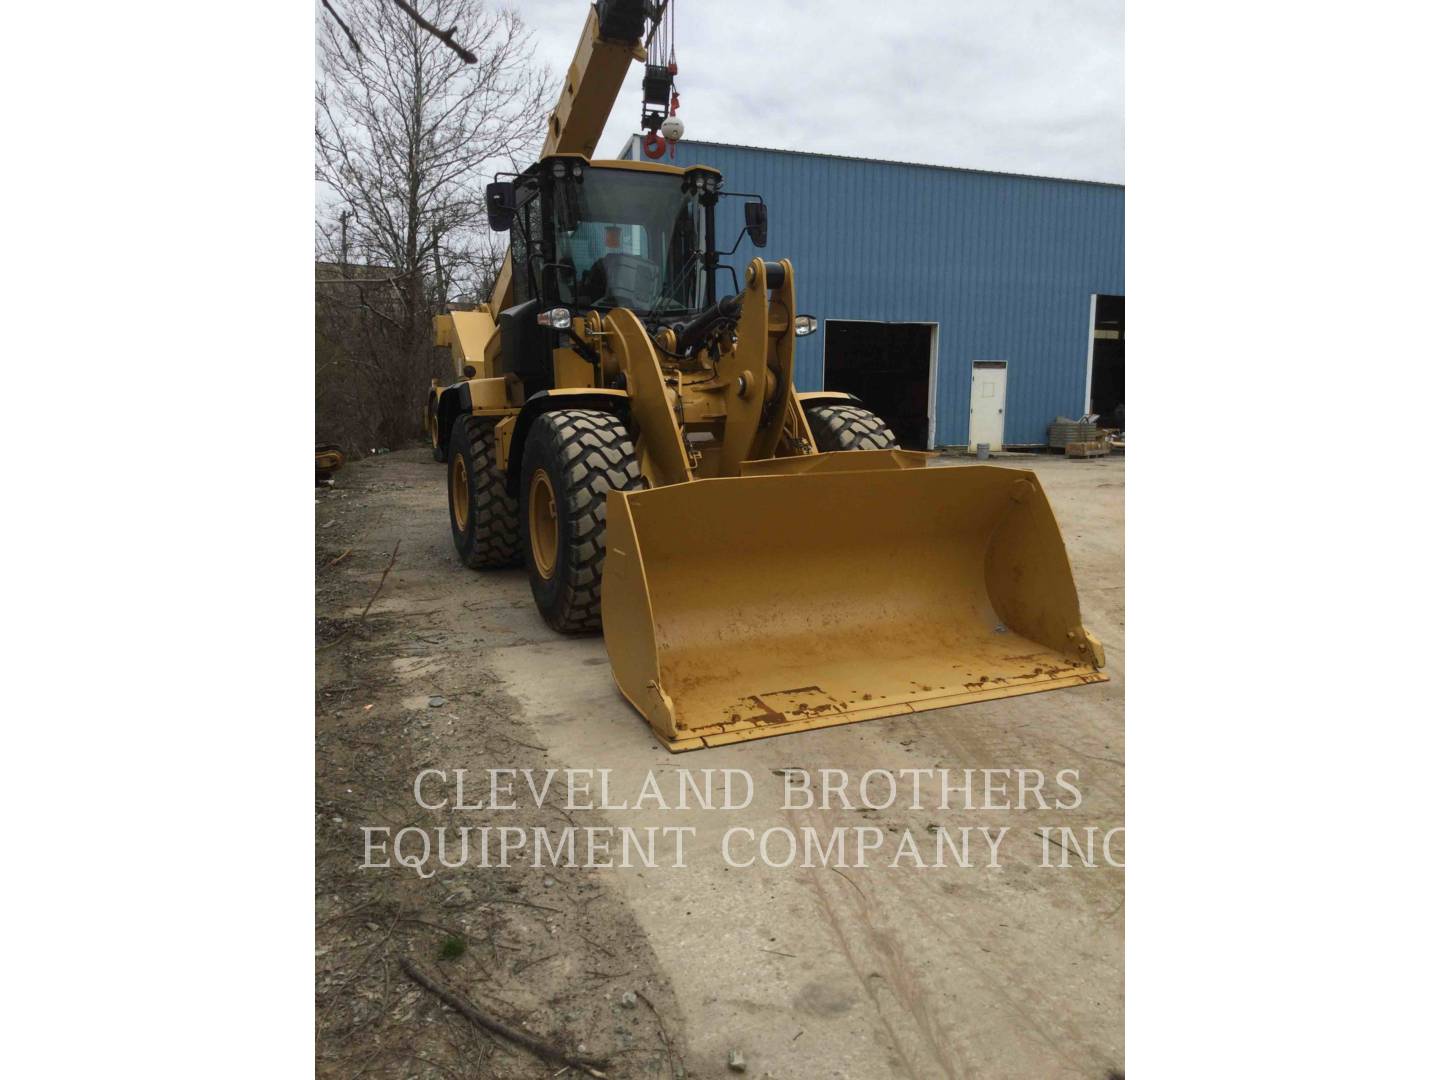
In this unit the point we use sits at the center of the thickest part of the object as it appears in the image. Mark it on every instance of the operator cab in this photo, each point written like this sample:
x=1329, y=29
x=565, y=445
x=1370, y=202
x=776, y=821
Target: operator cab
x=600, y=235
x=593, y=236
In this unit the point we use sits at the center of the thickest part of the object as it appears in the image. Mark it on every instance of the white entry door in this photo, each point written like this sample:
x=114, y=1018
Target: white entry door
x=987, y=403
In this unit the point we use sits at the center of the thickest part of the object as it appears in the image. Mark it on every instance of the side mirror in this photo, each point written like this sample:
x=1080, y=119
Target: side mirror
x=757, y=223
x=500, y=204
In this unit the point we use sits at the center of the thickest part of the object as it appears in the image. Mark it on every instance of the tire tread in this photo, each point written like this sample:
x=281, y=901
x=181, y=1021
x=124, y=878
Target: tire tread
x=598, y=455
x=849, y=427
x=495, y=514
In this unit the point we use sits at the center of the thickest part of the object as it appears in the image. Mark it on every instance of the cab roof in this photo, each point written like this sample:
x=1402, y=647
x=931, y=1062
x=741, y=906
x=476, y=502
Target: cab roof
x=636, y=166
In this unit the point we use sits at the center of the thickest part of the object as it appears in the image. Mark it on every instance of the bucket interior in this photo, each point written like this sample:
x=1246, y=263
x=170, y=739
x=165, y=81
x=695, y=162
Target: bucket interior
x=779, y=601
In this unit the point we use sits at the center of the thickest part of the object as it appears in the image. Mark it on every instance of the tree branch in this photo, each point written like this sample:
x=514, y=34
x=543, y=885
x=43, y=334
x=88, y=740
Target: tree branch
x=402, y=134
x=336, y=16
x=446, y=36
x=591, y=1066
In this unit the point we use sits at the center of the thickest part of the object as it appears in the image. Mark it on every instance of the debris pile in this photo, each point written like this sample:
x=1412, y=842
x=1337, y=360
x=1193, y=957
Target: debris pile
x=328, y=460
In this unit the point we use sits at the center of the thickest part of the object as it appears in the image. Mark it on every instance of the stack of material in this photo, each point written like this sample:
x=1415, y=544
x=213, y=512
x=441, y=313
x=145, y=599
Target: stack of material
x=1065, y=431
x=1087, y=449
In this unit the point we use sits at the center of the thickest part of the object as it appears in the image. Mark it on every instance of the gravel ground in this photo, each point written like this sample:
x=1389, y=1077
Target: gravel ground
x=858, y=973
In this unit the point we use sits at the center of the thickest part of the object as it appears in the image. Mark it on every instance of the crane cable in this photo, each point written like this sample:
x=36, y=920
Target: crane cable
x=660, y=60
x=660, y=46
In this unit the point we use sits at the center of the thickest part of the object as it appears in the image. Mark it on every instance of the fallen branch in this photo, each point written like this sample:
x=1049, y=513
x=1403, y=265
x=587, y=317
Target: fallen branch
x=1063, y=847
x=383, y=576
x=664, y=1035
x=543, y=1050
x=847, y=878
x=517, y=968
x=517, y=742
x=521, y=903
x=351, y=630
x=596, y=945
x=446, y=36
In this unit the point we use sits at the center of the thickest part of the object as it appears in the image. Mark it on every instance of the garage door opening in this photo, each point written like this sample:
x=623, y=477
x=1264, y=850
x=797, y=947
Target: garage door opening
x=1107, y=361
x=889, y=367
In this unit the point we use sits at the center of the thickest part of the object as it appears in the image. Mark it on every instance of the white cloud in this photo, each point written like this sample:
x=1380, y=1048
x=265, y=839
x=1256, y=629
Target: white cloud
x=1031, y=86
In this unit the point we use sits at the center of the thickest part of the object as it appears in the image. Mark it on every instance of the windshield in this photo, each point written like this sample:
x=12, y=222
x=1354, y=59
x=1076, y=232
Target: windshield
x=629, y=239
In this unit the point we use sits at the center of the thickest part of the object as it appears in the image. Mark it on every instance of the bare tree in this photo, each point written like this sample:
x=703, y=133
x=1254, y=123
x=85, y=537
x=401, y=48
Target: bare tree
x=405, y=131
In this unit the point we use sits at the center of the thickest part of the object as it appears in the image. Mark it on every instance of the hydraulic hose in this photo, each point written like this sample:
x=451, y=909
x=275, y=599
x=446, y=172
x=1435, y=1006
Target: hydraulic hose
x=692, y=333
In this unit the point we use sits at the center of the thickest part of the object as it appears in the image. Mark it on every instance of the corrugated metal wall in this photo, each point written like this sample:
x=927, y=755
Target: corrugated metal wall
x=1004, y=264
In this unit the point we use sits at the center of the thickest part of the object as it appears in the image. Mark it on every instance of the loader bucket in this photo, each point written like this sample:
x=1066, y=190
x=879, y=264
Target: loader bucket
x=841, y=590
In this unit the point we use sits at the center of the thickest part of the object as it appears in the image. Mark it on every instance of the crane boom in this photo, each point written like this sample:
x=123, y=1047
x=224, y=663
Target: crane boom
x=614, y=37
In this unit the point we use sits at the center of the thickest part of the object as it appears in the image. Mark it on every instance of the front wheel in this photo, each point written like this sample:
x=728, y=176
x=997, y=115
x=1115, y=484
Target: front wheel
x=573, y=458
x=848, y=427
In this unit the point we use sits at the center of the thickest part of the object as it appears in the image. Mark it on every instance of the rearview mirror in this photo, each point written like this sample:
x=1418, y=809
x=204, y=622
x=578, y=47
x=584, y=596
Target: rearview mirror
x=757, y=223
x=500, y=204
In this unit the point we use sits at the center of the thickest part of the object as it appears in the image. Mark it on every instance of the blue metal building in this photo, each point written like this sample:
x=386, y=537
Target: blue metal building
x=954, y=276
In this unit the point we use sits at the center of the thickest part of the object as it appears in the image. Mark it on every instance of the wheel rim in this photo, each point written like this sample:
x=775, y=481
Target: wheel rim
x=544, y=525
x=460, y=491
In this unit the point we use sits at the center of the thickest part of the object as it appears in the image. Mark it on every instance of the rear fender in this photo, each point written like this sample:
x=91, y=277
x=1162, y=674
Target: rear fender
x=826, y=397
x=472, y=397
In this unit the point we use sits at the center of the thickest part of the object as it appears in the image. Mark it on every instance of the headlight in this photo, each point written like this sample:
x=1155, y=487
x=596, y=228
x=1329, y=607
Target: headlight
x=806, y=324
x=556, y=318
x=704, y=182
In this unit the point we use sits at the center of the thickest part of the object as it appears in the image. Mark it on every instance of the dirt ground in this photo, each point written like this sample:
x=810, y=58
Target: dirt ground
x=879, y=971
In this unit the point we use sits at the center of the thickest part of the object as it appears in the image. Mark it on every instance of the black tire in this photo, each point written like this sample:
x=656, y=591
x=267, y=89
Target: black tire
x=486, y=526
x=432, y=427
x=848, y=427
x=582, y=454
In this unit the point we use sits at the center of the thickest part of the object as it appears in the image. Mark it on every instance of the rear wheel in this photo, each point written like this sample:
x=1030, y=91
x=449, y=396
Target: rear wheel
x=848, y=427
x=484, y=519
x=573, y=457
x=432, y=428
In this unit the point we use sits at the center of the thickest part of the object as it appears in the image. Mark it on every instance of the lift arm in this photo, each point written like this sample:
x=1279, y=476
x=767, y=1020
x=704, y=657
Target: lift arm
x=615, y=35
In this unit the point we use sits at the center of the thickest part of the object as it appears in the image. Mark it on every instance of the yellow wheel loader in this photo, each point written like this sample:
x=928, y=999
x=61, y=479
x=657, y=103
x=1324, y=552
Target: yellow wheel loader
x=761, y=561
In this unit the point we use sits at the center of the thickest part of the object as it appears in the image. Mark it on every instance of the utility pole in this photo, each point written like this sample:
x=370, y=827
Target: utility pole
x=345, y=244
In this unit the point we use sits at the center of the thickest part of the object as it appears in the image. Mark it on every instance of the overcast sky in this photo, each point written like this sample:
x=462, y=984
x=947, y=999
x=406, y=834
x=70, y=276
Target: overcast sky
x=1031, y=86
